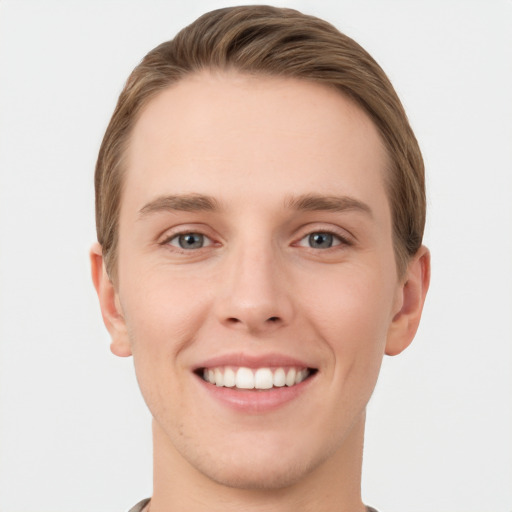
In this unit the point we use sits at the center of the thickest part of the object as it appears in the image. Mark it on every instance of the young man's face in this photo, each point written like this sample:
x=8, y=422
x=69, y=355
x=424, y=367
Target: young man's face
x=255, y=248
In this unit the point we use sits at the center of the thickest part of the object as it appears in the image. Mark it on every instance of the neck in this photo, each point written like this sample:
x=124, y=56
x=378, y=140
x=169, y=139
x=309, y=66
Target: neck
x=332, y=486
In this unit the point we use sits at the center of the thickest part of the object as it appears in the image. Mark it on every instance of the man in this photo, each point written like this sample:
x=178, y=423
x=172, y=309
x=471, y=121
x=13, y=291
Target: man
x=260, y=209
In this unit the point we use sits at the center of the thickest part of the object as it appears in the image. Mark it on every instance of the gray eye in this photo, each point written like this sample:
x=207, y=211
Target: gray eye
x=320, y=240
x=189, y=241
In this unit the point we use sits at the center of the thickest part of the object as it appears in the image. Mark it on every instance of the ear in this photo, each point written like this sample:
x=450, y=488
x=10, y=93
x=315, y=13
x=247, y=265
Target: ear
x=410, y=299
x=109, y=303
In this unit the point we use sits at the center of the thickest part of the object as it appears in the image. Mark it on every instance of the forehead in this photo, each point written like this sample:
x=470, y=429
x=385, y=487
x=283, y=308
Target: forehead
x=214, y=127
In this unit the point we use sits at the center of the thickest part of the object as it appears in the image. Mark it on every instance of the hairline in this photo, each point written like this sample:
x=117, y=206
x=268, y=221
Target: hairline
x=401, y=257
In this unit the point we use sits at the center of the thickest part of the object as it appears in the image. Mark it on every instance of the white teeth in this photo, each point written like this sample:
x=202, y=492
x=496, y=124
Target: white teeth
x=261, y=378
x=290, y=377
x=219, y=377
x=244, y=378
x=300, y=376
x=229, y=378
x=279, y=378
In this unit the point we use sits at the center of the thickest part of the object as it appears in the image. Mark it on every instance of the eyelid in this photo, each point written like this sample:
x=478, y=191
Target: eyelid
x=206, y=239
x=166, y=236
x=343, y=236
x=336, y=240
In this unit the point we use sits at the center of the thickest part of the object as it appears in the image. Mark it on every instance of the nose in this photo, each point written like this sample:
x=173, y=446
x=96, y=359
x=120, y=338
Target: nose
x=254, y=294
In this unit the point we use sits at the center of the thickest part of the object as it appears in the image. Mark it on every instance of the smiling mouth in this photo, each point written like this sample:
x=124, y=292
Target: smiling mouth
x=244, y=378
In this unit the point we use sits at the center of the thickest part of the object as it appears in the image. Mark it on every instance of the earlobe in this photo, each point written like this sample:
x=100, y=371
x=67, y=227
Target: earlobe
x=109, y=304
x=412, y=294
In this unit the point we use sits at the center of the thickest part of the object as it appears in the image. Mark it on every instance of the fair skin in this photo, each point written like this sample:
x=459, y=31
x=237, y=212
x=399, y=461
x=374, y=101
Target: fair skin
x=255, y=232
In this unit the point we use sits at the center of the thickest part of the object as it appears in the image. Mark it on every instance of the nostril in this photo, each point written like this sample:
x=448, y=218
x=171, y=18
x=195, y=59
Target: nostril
x=253, y=324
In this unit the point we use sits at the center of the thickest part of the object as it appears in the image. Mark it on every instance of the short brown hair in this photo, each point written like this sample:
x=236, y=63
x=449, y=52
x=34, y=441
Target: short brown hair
x=279, y=42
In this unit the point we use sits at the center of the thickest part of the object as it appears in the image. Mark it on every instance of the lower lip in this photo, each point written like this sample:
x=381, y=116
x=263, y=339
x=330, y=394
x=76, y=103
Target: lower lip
x=255, y=401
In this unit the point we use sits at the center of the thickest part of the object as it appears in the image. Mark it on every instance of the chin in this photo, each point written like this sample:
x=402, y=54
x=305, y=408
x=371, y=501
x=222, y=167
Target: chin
x=258, y=475
x=268, y=462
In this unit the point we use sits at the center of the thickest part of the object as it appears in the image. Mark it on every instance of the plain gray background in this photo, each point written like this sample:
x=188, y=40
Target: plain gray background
x=74, y=432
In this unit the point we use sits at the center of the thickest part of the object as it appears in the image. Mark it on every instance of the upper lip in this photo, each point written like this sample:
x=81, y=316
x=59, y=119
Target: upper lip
x=252, y=361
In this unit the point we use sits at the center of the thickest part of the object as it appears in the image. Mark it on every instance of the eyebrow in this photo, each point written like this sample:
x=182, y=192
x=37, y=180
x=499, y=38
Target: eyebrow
x=184, y=203
x=204, y=203
x=313, y=203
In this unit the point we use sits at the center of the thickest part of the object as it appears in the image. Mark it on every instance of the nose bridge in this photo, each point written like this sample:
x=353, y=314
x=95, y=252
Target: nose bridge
x=254, y=295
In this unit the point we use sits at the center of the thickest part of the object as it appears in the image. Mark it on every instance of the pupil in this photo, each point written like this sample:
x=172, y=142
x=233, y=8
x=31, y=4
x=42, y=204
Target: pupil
x=191, y=241
x=320, y=240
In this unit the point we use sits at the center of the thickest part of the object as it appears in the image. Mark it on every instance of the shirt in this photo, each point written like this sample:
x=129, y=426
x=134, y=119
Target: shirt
x=140, y=506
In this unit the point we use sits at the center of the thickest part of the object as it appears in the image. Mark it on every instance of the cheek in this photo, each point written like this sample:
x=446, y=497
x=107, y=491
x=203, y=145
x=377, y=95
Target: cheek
x=163, y=317
x=352, y=317
x=351, y=303
x=163, y=313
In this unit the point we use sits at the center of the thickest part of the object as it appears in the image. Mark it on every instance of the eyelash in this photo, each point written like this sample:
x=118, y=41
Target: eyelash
x=176, y=236
x=340, y=240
